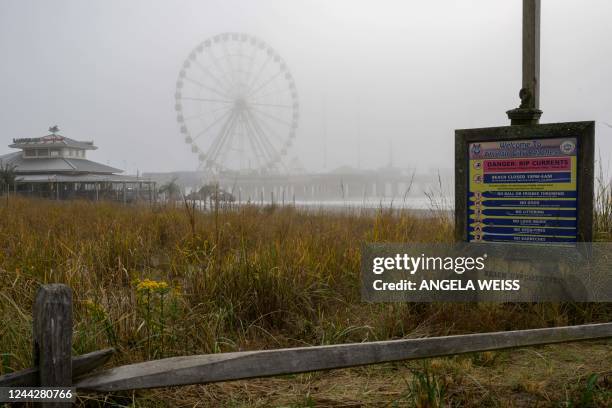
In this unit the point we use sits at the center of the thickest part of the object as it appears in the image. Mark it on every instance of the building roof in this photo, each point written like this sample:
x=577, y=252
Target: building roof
x=55, y=165
x=80, y=178
x=52, y=140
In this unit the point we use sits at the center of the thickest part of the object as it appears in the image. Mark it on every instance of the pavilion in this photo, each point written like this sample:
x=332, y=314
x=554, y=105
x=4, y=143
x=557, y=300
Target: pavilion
x=55, y=166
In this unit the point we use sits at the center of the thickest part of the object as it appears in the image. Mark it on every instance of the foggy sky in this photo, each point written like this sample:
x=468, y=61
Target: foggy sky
x=373, y=76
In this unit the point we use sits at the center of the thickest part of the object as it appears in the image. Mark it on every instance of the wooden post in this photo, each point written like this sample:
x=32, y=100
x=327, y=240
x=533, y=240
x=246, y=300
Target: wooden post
x=52, y=335
x=531, y=51
x=528, y=113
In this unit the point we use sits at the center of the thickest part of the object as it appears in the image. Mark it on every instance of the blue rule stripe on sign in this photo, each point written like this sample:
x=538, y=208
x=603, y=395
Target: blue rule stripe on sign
x=528, y=222
x=528, y=212
x=527, y=194
x=570, y=232
x=526, y=238
x=528, y=203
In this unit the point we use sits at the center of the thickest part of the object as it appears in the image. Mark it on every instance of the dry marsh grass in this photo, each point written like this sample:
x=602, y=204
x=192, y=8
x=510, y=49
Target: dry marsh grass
x=157, y=282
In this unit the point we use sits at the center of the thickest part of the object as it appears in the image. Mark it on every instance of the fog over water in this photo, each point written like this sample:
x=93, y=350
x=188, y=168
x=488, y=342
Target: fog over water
x=377, y=81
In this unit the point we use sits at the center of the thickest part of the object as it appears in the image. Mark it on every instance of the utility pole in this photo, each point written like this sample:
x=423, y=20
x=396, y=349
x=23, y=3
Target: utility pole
x=528, y=113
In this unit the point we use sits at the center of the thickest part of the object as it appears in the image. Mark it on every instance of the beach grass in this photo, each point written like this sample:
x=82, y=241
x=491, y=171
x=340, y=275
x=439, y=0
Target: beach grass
x=166, y=281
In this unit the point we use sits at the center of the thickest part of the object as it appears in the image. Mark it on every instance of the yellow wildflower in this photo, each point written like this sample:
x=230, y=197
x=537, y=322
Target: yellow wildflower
x=151, y=285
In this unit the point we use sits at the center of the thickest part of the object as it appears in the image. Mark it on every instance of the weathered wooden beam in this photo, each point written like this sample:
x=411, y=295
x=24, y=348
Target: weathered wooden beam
x=52, y=335
x=81, y=365
x=202, y=369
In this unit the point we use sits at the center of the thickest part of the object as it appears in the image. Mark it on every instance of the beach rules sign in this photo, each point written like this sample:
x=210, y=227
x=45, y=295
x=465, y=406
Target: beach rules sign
x=525, y=184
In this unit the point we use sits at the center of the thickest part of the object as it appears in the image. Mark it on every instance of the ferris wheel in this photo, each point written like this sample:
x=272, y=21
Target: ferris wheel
x=237, y=104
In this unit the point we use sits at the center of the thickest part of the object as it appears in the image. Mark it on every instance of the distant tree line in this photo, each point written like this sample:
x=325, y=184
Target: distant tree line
x=173, y=191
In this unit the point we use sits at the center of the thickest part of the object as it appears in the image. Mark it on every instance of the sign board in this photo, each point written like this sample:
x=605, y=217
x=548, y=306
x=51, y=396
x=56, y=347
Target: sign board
x=525, y=184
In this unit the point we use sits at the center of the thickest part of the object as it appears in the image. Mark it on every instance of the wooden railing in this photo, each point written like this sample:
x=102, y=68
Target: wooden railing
x=54, y=365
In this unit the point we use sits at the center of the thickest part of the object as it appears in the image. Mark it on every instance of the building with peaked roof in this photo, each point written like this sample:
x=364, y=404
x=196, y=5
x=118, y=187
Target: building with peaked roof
x=56, y=166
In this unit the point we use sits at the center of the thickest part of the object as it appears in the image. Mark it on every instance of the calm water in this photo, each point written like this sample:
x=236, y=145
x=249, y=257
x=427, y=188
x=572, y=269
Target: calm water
x=421, y=204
